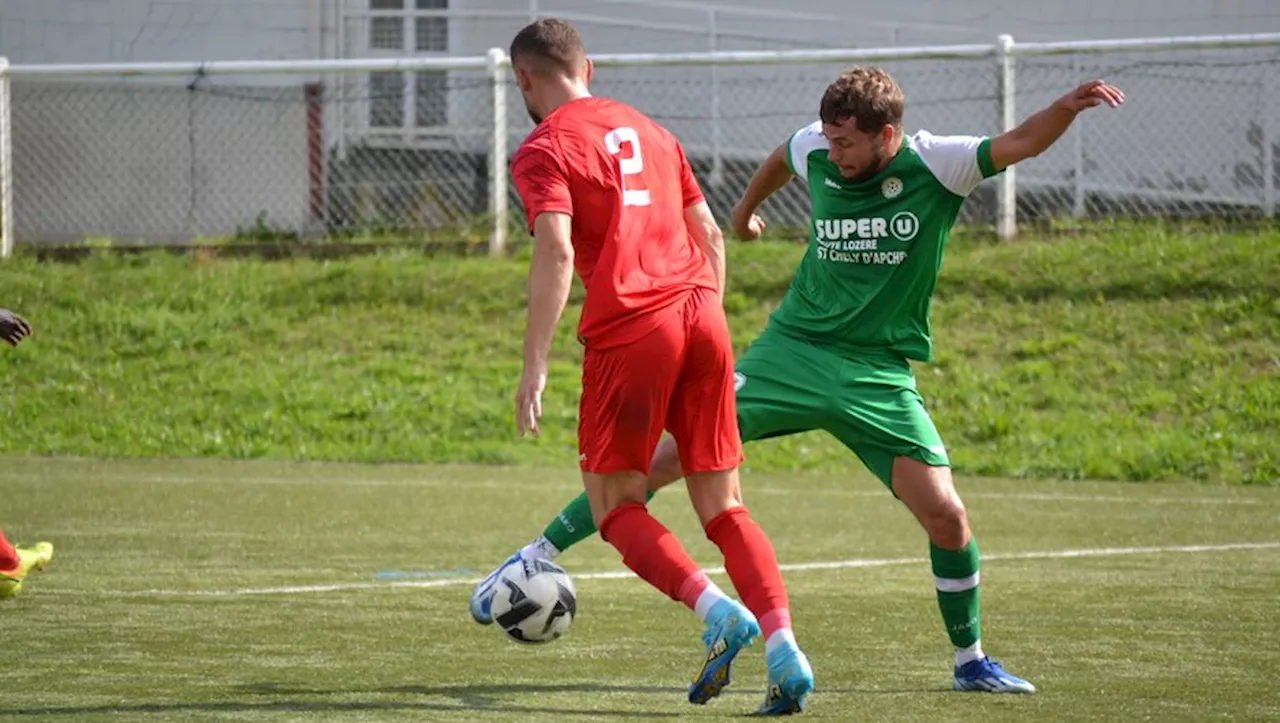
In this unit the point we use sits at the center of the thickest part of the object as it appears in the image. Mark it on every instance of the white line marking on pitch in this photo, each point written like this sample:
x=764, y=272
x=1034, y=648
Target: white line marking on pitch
x=433, y=482
x=795, y=567
x=970, y=494
x=1050, y=497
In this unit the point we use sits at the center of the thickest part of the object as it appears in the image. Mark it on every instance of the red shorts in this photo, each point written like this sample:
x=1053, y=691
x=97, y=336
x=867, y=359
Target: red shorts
x=679, y=377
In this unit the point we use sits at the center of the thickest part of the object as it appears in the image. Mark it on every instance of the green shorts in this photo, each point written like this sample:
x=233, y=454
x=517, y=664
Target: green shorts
x=786, y=386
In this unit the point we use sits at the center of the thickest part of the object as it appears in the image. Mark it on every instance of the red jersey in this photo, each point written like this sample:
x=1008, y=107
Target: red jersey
x=626, y=182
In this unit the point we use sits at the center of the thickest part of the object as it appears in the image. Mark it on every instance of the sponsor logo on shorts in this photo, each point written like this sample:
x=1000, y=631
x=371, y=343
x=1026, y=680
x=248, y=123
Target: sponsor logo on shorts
x=739, y=380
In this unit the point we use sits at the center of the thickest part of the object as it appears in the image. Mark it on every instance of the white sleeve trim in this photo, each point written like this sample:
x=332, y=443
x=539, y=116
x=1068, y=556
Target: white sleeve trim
x=953, y=160
x=802, y=143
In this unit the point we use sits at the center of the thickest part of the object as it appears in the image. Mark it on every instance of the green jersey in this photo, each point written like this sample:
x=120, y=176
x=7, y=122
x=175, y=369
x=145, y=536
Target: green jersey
x=875, y=247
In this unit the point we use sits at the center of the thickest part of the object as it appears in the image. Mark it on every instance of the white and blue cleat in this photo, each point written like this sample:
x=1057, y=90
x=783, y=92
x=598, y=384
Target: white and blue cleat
x=790, y=680
x=730, y=628
x=482, y=593
x=987, y=676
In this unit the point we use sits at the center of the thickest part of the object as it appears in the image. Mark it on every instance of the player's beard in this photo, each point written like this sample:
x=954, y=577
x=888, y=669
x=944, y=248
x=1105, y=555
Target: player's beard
x=877, y=164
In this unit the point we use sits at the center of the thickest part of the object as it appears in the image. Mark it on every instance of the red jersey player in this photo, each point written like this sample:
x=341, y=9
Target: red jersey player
x=609, y=192
x=17, y=562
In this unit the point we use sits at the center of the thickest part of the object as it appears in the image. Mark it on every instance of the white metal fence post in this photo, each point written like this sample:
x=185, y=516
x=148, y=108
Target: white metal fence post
x=1006, y=192
x=6, y=164
x=1267, y=135
x=1077, y=147
x=717, y=162
x=498, y=152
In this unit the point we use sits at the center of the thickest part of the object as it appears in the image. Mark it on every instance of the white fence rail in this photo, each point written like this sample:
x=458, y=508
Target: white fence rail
x=176, y=152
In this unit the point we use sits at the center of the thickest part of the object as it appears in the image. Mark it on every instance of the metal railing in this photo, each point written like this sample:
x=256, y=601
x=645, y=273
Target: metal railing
x=175, y=152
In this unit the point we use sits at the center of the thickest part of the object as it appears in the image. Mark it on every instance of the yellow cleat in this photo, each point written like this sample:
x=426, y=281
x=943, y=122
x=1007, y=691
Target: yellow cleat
x=30, y=559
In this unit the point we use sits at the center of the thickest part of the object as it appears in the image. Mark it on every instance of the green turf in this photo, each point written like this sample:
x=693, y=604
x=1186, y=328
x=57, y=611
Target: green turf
x=1129, y=353
x=123, y=623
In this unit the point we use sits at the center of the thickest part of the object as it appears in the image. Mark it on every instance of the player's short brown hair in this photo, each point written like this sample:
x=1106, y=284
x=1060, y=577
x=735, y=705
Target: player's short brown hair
x=870, y=96
x=549, y=46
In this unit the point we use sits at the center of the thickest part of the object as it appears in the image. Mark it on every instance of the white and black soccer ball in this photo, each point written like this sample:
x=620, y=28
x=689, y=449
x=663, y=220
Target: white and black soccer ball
x=534, y=601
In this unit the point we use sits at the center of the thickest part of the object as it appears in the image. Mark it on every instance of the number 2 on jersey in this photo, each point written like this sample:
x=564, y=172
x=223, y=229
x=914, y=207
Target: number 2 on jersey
x=629, y=166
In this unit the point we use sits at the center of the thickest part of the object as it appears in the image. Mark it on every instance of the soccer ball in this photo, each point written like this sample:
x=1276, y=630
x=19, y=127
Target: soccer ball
x=534, y=601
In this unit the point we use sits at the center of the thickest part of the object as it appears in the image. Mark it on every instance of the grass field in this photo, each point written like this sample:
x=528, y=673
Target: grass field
x=219, y=590
x=1133, y=352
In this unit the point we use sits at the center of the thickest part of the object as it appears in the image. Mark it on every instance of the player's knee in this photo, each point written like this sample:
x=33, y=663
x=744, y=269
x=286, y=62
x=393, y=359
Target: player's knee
x=613, y=502
x=607, y=492
x=712, y=493
x=948, y=525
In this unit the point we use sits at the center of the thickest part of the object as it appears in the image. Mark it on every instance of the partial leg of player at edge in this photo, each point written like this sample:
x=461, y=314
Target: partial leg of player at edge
x=893, y=199
x=16, y=563
x=657, y=352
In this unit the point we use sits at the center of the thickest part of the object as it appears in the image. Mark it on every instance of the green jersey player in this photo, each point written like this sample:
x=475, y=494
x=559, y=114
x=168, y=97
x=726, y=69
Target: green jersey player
x=836, y=352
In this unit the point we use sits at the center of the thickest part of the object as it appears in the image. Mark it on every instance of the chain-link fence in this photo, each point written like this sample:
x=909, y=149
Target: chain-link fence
x=406, y=146
x=166, y=159
x=1196, y=138
x=730, y=117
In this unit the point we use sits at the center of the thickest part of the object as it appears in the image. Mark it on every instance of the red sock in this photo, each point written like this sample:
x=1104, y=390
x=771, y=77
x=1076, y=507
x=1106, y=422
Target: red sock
x=653, y=552
x=692, y=588
x=752, y=566
x=8, y=555
x=772, y=622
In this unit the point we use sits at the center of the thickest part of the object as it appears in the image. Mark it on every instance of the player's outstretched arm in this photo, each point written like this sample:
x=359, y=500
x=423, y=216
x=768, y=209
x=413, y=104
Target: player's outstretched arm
x=706, y=232
x=1043, y=129
x=13, y=328
x=550, y=277
x=772, y=175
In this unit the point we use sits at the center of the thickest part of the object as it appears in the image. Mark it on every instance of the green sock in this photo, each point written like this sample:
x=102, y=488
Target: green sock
x=573, y=524
x=955, y=573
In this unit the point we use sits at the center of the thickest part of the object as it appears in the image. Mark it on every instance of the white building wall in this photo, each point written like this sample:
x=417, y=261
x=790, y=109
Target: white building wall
x=62, y=31
x=98, y=31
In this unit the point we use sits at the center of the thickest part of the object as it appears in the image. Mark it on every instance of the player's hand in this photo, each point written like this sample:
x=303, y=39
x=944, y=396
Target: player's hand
x=529, y=400
x=747, y=227
x=13, y=328
x=1088, y=95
